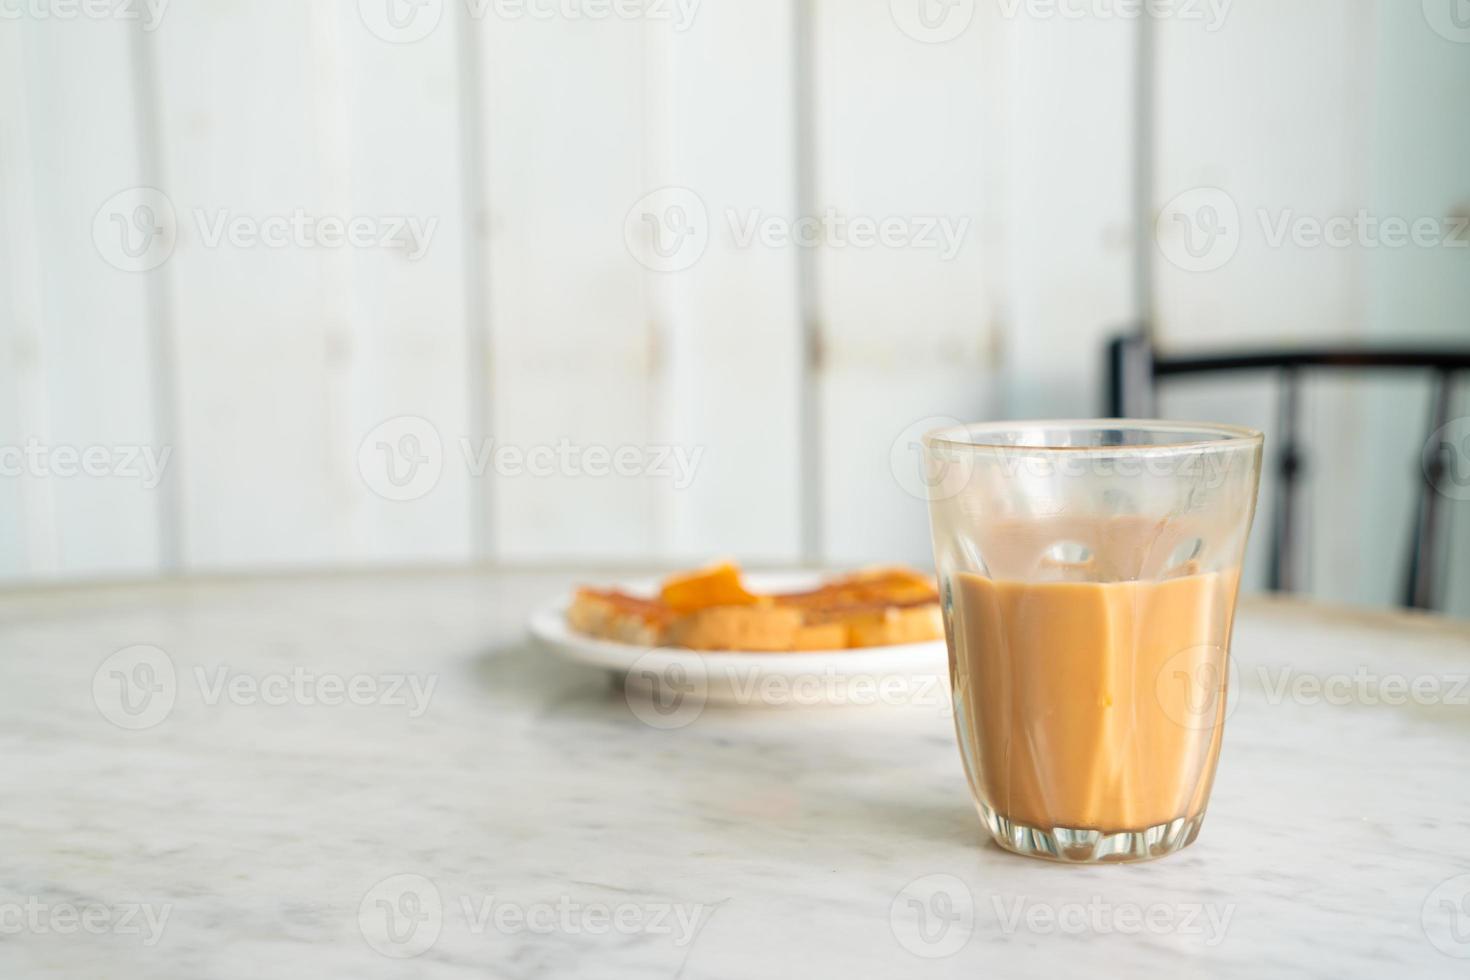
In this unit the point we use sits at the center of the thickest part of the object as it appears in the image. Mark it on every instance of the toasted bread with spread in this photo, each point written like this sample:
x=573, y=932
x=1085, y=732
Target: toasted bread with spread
x=711, y=609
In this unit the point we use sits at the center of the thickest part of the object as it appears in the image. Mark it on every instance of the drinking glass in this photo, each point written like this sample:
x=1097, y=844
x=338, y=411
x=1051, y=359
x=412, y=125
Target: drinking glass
x=1089, y=572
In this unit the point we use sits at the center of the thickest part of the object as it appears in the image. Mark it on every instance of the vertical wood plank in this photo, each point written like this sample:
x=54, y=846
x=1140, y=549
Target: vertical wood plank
x=292, y=353
x=575, y=362
x=1258, y=120
x=402, y=154
x=26, y=520
x=253, y=324
x=905, y=328
x=78, y=365
x=731, y=320
x=1067, y=247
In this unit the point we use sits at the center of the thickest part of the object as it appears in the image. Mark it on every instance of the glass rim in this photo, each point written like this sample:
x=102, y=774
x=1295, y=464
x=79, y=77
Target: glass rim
x=1207, y=436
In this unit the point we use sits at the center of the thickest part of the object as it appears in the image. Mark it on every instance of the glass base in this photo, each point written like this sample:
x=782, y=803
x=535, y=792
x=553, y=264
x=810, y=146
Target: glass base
x=1092, y=846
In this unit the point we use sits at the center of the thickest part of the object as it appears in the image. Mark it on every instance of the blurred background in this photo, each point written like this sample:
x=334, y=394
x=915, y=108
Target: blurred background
x=619, y=283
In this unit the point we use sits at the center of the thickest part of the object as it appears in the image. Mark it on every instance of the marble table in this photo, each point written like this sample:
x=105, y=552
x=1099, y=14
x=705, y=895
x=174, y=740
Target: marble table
x=379, y=776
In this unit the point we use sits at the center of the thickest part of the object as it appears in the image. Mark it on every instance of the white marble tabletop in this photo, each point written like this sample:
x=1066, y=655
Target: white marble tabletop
x=379, y=776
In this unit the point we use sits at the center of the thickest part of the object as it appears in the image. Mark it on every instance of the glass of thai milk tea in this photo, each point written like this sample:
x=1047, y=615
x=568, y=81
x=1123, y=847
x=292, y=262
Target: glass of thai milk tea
x=1089, y=573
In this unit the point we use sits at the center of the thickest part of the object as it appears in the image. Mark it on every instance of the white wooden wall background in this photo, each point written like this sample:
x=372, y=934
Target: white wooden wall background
x=528, y=321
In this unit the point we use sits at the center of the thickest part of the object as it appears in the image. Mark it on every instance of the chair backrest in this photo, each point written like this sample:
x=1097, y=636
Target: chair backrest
x=1136, y=368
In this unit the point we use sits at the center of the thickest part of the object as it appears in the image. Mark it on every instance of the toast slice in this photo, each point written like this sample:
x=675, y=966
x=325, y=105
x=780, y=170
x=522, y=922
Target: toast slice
x=612, y=615
x=711, y=609
x=876, y=607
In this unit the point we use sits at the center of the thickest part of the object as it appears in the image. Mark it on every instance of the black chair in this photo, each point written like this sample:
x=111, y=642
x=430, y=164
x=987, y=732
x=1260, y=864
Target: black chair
x=1135, y=369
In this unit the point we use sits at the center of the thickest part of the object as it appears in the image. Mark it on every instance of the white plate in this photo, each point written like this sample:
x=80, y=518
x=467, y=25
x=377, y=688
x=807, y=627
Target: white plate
x=910, y=673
